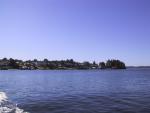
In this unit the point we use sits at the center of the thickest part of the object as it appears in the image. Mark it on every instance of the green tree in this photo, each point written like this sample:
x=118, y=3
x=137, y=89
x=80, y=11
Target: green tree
x=13, y=64
x=102, y=65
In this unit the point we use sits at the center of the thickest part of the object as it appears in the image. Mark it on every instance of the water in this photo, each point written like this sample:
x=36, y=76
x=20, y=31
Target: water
x=75, y=91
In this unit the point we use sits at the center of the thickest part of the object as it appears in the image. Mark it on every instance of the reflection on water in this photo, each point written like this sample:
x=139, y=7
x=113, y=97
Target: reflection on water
x=73, y=91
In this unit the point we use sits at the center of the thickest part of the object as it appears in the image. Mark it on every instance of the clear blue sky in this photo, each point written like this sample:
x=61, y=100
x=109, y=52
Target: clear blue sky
x=79, y=29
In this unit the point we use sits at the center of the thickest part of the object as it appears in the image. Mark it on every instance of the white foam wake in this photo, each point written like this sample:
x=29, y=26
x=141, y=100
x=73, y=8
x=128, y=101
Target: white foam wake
x=7, y=107
x=3, y=96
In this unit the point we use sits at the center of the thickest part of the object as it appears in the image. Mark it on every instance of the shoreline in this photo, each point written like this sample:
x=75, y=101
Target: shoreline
x=68, y=64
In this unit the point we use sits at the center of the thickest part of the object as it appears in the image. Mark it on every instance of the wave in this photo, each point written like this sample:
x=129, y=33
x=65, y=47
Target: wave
x=8, y=107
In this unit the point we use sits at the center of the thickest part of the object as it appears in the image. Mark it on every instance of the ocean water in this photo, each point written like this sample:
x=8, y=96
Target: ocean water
x=75, y=91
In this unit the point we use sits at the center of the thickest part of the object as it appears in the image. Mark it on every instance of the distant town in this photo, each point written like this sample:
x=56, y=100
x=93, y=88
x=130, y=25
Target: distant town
x=35, y=64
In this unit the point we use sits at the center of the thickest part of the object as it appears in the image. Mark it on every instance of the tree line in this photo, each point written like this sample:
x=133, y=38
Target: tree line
x=62, y=64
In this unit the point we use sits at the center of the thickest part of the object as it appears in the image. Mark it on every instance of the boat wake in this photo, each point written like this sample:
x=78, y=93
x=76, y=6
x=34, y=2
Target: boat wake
x=8, y=107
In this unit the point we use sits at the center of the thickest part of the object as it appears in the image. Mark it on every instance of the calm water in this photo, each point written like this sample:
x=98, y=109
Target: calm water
x=92, y=91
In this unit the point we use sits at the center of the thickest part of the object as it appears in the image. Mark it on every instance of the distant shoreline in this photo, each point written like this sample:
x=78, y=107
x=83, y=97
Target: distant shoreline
x=68, y=64
x=56, y=69
x=128, y=67
x=138, y=66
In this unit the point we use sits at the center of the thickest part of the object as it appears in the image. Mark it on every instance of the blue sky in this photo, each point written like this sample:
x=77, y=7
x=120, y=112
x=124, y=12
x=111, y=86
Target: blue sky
x=79, y=29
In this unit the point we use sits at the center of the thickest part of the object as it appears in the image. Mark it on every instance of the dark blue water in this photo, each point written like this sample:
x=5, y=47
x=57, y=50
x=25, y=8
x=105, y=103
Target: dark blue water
x=79, y=91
